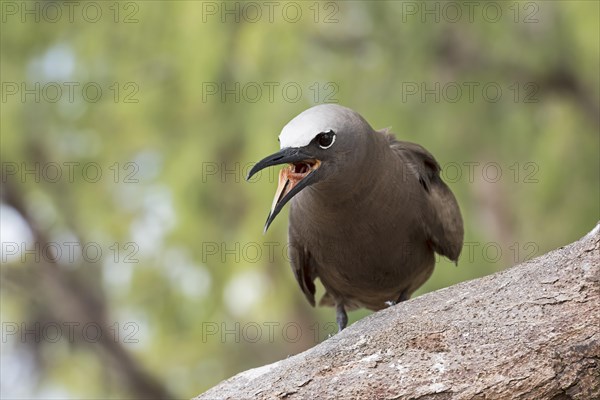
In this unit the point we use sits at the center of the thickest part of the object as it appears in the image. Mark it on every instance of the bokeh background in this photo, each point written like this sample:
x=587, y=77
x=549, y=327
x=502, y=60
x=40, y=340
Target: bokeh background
x=133, y=259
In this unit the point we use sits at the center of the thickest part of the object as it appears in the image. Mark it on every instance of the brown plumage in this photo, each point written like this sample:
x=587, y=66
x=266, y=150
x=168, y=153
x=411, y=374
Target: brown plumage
x=367, y=216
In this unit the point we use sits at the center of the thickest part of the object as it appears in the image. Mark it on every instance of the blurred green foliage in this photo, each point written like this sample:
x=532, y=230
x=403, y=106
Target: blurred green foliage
x=173, y=156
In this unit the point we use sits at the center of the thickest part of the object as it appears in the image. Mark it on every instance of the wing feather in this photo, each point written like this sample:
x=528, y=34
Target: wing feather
x=302, y=265
x=442, y=220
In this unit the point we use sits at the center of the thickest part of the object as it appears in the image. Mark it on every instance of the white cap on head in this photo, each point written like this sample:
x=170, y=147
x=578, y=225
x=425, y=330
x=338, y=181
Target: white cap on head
x=318, y=119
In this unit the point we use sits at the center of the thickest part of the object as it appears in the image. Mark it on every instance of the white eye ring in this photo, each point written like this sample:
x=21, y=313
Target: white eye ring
x=332, y=140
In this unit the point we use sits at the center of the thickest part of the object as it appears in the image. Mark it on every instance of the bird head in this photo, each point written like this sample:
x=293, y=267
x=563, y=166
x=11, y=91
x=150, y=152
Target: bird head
x=317, y=145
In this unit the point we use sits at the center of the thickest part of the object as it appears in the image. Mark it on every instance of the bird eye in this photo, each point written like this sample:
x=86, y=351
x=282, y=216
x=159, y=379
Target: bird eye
x=325, y=139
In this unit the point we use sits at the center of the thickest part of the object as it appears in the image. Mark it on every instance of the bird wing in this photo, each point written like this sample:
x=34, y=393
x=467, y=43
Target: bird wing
x=441, y=217
x=302, y=263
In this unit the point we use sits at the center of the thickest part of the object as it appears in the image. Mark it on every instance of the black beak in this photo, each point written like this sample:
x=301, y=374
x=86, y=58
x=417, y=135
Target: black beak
x=287, y=187
x=289, y=155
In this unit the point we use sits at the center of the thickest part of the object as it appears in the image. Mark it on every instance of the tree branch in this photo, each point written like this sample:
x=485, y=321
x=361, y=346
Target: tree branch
x=529, y=332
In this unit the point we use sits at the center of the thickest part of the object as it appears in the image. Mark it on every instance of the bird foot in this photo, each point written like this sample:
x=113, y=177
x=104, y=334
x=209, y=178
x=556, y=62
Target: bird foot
x=341, y=317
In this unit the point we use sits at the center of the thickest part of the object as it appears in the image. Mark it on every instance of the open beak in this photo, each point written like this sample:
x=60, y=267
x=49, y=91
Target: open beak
x=299, y=174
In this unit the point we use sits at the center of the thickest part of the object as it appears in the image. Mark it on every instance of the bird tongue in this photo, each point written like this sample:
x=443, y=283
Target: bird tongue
x=290, y=176
x=287, y=180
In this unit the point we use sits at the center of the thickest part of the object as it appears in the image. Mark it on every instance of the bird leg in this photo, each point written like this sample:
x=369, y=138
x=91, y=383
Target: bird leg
x=403, y=297
x=341, y=316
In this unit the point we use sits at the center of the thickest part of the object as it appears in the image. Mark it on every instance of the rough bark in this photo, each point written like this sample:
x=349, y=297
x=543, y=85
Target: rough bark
x=530, y=332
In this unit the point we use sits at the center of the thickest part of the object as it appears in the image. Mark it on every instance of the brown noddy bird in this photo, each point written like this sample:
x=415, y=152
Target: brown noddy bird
x=367, y=211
